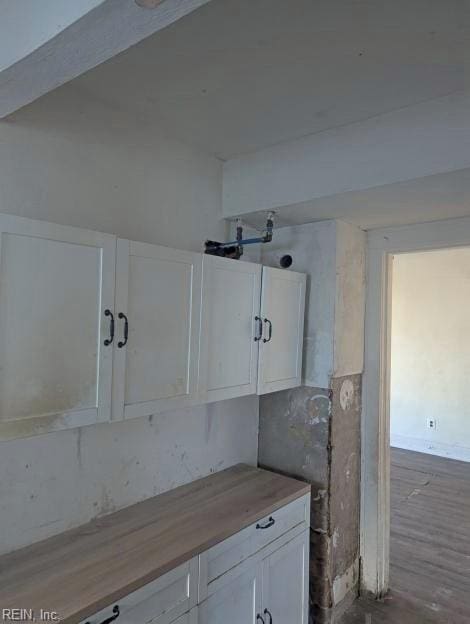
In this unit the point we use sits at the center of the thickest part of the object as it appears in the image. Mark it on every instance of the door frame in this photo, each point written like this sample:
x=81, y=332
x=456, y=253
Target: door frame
x=382, y=244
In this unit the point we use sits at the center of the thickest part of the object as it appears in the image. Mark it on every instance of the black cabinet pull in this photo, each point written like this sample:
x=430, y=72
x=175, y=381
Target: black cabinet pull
x=260, y=328
x=270, y=335
x=109, y=340
x=266, y=612
x=258, y=618
x=112, y=618
x=271, y=522
x=121, y=343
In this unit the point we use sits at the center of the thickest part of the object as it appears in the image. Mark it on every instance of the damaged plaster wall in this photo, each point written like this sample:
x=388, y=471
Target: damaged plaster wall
x=345, y=495
x=68, y=160
x=313, y=432
x=294, y=439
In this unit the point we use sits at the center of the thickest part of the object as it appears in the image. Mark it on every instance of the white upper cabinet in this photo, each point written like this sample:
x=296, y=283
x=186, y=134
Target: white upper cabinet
x=158, y=296
x=251, y=329
x=229, y=349
x=93, y=328
x=56, y=284
x=282, y=313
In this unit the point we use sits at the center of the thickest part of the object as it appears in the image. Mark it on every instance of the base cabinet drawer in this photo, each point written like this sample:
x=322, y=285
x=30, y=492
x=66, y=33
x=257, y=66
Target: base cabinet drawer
x=254, y=538
x=161, y=601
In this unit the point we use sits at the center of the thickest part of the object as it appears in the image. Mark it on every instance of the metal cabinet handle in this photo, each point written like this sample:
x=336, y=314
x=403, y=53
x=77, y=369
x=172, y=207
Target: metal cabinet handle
x=109, y=340
x=271, y=522
x=112, y=618
x=123, y=343
x=259, y=320
x=266, y=612
x=258, y=618
x=270, y=335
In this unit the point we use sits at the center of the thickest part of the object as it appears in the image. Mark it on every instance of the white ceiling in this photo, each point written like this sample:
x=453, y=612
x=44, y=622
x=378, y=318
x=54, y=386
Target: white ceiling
x=441, y=196
x=238, y=75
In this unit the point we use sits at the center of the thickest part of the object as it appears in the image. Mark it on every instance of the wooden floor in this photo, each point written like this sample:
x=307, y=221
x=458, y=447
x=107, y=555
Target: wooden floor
x=430, y=545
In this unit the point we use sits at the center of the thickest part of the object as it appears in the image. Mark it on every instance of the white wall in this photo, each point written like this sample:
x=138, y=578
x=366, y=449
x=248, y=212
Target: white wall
x=349, y=300
x=68, y=160
x=431, y=352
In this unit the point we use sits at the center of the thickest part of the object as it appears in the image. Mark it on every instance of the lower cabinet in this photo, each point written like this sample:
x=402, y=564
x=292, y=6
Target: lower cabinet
x=257, y=576
x=265, y=589
x=285, y=583
x=237, y=599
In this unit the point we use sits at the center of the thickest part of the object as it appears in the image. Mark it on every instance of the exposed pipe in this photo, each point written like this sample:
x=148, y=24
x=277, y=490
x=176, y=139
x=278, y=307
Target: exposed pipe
x=234, y=249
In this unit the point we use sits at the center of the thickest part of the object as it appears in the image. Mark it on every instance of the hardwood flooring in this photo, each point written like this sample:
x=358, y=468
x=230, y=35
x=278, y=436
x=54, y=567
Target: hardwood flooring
x=430, y=545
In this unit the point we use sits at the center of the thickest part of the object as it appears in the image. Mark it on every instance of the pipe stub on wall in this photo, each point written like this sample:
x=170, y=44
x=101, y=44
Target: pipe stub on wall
x=286, y=261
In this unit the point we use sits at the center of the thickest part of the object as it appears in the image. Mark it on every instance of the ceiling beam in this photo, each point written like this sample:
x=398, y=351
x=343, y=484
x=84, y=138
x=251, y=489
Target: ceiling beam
x=101, y=33
x=420, y=140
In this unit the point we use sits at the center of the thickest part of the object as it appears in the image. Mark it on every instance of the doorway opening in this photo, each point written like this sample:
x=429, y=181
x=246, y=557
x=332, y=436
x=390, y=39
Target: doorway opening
x=430, y=434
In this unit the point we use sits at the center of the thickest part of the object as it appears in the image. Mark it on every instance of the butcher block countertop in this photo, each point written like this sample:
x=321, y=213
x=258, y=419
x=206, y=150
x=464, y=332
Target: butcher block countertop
x=79, y=572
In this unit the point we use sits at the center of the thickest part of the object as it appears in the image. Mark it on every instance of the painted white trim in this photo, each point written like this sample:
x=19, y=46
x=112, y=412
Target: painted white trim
x=451, y=451
x=375, y=460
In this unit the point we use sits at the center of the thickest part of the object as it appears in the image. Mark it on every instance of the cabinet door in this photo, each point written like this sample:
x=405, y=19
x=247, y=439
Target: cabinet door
x=159, y=291
x=229, y=352
x=285, y=583
x=282, y=311
x=55, y=284
x=236, y=600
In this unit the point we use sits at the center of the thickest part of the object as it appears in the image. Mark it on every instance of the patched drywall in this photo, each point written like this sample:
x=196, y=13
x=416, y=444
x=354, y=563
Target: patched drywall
x=350, y=297
x=68, y=160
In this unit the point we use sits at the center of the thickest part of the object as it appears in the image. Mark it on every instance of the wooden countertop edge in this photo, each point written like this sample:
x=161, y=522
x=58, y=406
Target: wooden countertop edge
x=174, y=563
x=229, y=529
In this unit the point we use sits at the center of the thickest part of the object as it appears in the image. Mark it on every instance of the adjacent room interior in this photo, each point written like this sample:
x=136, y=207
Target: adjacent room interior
x=204, y=208
x=429, y=403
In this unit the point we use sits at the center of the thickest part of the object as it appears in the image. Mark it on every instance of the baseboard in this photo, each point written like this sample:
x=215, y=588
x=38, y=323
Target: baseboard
x=430, y=447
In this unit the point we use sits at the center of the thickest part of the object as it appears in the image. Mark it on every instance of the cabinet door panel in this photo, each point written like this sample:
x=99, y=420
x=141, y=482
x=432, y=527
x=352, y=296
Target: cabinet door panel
x=55, y=283
x=282, y=310
x=229, y=353
x=238, y=601
x=285, y=582
x=158, y=289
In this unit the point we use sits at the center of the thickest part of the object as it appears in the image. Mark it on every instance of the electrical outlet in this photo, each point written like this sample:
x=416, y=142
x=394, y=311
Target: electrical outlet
x=431, y=423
